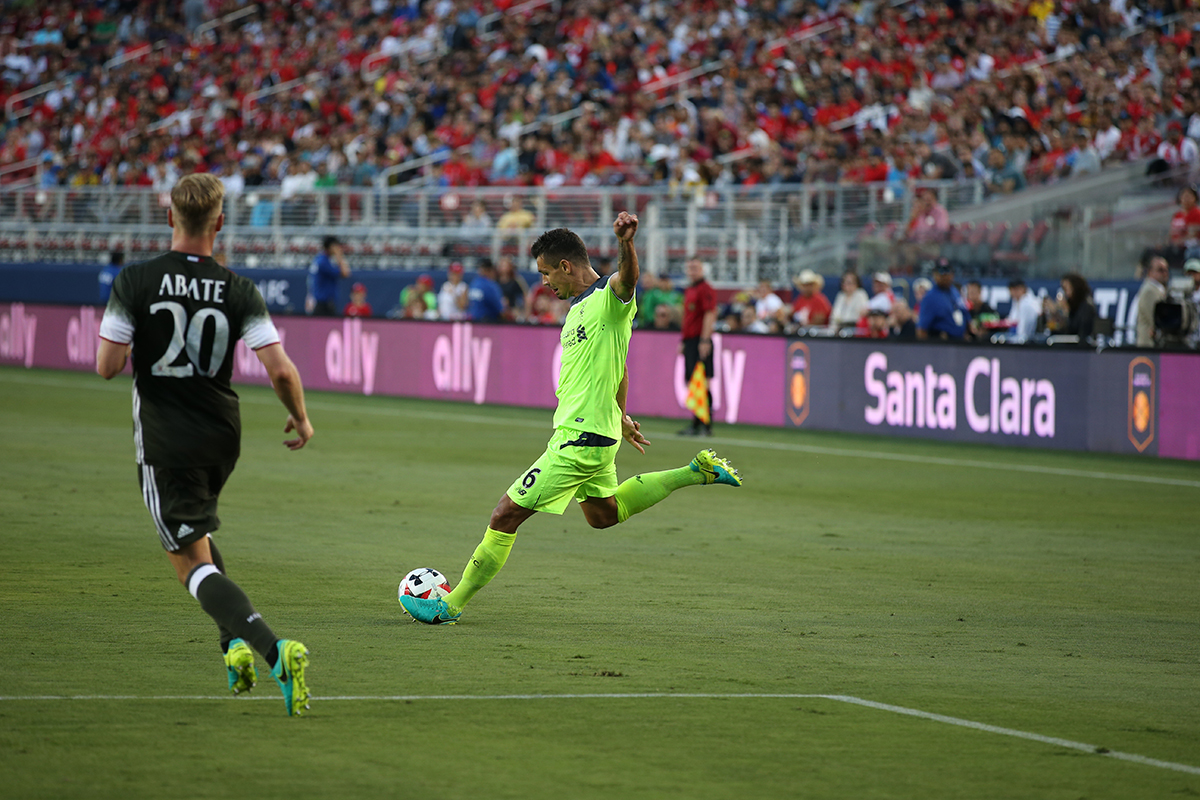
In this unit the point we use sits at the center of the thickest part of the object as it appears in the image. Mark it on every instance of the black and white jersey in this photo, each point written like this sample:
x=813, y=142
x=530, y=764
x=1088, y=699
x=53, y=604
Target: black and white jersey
x=184, y=314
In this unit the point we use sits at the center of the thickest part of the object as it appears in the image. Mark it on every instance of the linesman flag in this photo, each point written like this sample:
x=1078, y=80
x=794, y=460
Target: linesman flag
x=697, y=396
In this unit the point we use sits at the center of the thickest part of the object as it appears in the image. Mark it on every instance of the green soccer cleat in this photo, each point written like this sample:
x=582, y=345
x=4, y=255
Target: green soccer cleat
x=431, y=611
x=239, y=661
x=715, y=469
x=289, y=674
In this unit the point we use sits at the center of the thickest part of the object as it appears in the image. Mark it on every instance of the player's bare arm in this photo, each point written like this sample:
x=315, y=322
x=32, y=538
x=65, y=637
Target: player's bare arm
x=111, y=358
x=707, y=325
x=285, y=379
x=625, y=227
x=631, y=429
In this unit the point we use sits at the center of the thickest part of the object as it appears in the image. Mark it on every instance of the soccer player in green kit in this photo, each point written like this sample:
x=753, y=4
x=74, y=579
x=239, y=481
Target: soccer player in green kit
x=589, y=423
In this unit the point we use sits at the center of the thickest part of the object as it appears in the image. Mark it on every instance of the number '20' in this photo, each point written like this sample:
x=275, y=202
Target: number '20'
x=189, y=334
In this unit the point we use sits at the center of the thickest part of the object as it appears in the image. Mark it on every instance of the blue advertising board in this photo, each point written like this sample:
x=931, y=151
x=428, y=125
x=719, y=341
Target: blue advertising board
x=1023, y=396
x=285, y=289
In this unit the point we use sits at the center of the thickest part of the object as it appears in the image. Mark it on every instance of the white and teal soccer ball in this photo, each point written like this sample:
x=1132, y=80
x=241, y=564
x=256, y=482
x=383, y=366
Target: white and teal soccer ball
x=425, y=583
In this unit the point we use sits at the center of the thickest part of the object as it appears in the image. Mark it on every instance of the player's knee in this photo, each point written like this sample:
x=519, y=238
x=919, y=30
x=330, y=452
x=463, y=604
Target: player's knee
x=507, y=515
x=497, y=519
x=600, y=516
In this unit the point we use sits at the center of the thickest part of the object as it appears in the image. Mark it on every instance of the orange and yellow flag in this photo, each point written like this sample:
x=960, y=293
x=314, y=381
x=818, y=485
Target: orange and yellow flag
x=697, y=396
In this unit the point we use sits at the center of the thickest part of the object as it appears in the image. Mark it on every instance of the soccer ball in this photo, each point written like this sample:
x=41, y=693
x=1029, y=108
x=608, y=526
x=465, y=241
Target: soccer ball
x=425, y=583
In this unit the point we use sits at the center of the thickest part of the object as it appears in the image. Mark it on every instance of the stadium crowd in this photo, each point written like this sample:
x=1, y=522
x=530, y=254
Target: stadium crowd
x=893, y=309
x=703, y=92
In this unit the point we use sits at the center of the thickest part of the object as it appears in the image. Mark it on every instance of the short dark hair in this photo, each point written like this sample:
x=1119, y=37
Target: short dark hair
x=558, y=244
x=328, y=242
x=1015, y=282
x=1149, y=256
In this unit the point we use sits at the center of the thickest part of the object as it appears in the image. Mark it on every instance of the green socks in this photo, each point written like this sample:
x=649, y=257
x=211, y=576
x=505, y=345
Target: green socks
x=642, y=491
x=634, y=495
x=489, y=557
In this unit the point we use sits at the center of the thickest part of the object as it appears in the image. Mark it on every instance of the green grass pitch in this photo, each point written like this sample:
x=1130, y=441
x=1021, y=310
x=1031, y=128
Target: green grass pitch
x=1046, y=593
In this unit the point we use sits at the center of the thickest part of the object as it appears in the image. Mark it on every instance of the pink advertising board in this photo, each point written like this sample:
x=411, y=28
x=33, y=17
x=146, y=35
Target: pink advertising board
x=1179, y=406
x=502, y=364
x=759, y=380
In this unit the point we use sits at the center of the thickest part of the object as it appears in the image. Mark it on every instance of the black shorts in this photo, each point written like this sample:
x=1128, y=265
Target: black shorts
x=325, y=308
x=183, y=501
x=691, y=354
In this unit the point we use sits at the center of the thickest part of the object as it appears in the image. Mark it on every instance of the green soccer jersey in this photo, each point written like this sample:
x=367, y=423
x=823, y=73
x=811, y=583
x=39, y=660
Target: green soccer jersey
x=595, y=341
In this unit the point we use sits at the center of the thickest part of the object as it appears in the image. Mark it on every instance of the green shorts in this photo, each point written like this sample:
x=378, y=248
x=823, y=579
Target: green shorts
x=575, y=464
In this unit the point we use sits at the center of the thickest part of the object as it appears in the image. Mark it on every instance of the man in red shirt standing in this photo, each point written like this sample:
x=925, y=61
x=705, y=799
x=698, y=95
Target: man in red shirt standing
x=699, y=317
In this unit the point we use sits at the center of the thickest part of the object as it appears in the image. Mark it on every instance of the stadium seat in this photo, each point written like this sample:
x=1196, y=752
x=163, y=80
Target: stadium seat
x=1013, y=253
x=1019, y=235
x=864, y=232
x=997, y=235
x=956, y=246
x=1038, y=234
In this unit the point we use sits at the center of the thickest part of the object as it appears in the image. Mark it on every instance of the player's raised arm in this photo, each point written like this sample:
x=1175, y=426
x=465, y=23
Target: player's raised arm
x=625, y=282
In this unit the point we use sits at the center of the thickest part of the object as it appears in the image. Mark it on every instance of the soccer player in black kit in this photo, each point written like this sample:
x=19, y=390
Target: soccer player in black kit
x=182, y=312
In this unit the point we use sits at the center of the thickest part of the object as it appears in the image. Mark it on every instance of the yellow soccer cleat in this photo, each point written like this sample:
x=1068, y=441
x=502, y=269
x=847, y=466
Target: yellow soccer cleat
x=289, y=674
x=715, y=469
x=239, y=661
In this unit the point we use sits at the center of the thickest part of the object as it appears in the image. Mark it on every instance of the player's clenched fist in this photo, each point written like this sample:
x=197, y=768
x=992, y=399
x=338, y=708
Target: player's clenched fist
x=625, y=226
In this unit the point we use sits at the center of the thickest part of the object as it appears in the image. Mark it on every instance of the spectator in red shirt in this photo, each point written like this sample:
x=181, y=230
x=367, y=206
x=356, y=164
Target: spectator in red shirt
x=1139, y=139
x=811, y=307
x=1184, y=232
x=1185, y=224
x=699, y=318
x=358, y=305
x=927, y=228
x=876, y=325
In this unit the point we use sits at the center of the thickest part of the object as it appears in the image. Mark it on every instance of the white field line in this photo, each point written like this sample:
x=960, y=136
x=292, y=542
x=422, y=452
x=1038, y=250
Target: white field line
x=840, y=698
x=839, y=452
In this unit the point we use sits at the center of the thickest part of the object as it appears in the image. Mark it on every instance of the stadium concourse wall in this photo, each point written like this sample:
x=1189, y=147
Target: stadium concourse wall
x=1119, y=401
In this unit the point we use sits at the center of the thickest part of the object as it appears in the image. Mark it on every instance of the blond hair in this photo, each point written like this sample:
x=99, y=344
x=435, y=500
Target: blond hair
x=196, y=202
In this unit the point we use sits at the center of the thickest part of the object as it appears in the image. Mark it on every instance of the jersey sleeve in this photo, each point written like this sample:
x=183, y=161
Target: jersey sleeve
x=615, y=307
x=258, y=331
x=118, y=323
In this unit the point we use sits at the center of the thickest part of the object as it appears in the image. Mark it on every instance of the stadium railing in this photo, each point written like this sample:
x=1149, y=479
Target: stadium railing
x=746, y=233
